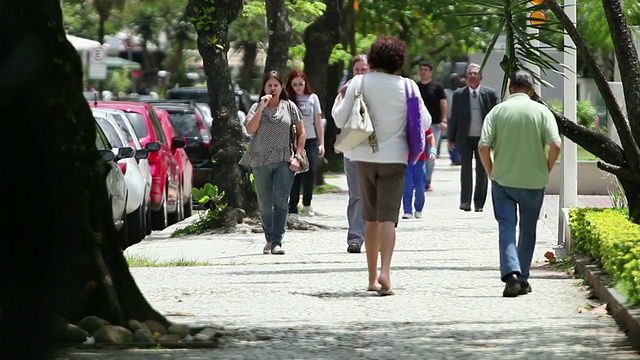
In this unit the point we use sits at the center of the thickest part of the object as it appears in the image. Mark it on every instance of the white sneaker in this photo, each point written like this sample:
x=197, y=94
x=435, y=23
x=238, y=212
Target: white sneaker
x=277, y=250
x=417, y=214
x=267, y=248
x=407, y=216
x=308, y=210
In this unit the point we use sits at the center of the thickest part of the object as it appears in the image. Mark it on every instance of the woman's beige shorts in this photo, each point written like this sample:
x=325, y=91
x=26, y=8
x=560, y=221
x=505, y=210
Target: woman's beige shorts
x=381, y=187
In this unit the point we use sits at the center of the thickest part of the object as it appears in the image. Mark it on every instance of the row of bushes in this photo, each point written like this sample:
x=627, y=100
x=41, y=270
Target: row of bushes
x=608, y=236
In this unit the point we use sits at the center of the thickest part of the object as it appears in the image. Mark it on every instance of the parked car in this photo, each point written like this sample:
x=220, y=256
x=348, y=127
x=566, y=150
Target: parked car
x=116, y=185
x=123, y=121
x=186, y=168
x=189, y=122
x=138, y=182
x=165, y=171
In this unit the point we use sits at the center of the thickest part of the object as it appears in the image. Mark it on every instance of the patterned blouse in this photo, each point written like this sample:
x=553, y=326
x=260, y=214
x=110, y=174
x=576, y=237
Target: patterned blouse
x=272, y=141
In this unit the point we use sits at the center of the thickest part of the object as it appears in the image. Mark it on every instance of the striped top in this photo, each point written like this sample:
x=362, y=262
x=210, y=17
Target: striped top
x=271, y=143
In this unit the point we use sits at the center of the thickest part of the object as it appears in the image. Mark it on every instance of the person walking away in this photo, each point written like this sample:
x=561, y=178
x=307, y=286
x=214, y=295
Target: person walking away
x=454, y=81
x=270, y=156
x=518, y=130
x=414, y=180
x=355, y=220
x=381, y=161
x=469, y=106
x=435, y=99
x=299, y=91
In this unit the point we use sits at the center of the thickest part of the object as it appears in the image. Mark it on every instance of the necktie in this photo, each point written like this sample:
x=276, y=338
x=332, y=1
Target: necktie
x=474, y=94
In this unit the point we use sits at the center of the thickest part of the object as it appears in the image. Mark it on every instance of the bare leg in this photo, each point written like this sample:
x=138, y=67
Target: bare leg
x=372, y=244
x=387, y=239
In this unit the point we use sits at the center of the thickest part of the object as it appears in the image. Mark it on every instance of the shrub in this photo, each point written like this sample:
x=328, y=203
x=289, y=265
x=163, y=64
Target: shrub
x=585, y=111
x=607, y=236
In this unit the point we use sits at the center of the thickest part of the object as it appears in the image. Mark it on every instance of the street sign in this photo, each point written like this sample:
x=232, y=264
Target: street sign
x=128, y=43
x=97, y=64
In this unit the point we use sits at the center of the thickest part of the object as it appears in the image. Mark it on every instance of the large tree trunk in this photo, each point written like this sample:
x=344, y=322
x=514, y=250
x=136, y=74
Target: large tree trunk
x=319, y=39
x=623, y=162
x=227, y=146
x=279, y=28
x=65, y=258
x=250, y=51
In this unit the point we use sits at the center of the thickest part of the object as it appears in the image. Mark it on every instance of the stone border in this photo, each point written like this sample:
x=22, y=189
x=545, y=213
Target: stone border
x=627, y=318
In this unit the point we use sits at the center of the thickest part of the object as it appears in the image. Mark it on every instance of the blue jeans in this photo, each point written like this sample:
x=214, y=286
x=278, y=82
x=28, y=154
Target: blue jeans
x=454, y=155
x=355, y=218
x=273, y=184
x=413, y=180
x=516, y=258
x=437, y=134
x=305, y=180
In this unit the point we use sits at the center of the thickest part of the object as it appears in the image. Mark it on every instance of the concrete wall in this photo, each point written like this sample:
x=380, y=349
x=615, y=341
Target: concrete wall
x=591, y=180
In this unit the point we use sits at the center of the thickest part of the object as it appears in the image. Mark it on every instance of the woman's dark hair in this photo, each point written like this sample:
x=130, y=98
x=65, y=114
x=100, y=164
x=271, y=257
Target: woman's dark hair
x=388, y=54
x=276, y=75
x=307, y=88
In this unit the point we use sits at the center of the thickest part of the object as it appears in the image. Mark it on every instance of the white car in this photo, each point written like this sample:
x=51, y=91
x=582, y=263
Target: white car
x=125, y=124
x=138, y=197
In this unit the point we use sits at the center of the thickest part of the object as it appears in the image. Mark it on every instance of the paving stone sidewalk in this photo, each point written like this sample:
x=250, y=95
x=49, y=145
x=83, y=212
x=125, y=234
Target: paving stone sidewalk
x=311, y=303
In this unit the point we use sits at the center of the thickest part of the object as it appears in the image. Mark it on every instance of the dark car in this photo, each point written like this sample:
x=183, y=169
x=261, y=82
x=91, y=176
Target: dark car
x=200, y=94
x=188, y=121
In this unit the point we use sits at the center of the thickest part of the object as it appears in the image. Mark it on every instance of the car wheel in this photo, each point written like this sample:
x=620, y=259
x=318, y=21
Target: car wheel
x=188, y=207
x=178, y=215
x=147, y=221
x=159, y=217
x=135, y=225
x=123, y=233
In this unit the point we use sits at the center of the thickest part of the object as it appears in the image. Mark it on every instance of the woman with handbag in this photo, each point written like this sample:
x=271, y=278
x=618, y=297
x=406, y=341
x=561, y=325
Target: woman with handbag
x=299, y=91
x=381, y=161
x=275, y=154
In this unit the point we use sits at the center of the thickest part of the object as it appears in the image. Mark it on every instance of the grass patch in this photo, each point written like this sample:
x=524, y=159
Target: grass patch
x=582, y=154
x=147, y=261
x=327, y=188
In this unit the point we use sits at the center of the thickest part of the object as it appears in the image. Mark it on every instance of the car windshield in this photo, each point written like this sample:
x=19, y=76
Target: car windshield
x=185, y=124
x=111, y=133
x=139, y=124
x=121, y=121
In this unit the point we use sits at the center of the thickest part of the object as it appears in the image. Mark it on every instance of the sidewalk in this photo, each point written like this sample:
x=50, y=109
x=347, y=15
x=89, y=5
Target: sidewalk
x=311, y=303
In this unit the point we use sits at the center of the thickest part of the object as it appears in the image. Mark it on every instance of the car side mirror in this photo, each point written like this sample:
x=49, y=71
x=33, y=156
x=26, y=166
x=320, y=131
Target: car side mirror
x=142, y=154
x=178, y=142
x=107, y=155
x=153, y=146
x=126, y=152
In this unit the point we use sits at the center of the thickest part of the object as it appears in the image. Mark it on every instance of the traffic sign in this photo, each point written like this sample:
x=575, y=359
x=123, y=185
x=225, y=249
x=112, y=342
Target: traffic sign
x=98, y=55
x=128, y=43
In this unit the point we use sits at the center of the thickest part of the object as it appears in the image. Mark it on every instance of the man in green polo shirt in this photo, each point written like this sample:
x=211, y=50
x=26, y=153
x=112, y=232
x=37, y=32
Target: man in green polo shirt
x=518, y=130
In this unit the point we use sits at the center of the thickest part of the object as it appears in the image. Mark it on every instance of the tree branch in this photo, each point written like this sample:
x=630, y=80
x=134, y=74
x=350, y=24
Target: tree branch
x=631, y=150
x=618, y=171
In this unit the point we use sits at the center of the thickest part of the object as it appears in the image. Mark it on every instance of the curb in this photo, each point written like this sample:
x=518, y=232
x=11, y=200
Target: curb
x=627, y=318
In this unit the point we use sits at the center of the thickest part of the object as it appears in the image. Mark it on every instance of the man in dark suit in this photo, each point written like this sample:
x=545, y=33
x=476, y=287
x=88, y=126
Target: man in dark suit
x=469, y=106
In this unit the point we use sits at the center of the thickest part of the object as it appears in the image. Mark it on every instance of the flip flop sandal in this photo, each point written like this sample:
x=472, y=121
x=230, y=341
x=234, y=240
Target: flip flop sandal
x=385, y=292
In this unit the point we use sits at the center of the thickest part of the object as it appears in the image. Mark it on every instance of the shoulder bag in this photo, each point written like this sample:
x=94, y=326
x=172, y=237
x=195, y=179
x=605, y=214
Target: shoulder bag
x=304, y=160
x=359, y=126
x=415, y=129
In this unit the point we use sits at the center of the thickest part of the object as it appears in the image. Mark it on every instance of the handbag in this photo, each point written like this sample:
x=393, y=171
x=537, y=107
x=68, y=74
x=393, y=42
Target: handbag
x=415, y=126
x=358, y=127
x=304, y=160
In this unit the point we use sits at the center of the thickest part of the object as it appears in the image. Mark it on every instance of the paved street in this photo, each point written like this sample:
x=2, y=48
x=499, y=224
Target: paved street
x=311, y=303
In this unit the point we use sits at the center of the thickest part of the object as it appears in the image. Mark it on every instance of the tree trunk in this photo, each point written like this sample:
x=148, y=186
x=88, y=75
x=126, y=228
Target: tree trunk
x=66, y=259
x=623, y=162
x=227, y=144
x=319, y=39
x=279, y=28
x=250, y=49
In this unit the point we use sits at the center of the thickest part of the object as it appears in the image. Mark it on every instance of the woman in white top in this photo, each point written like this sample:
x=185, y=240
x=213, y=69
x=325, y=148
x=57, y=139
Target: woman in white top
x=299, y=91
x=381, y=168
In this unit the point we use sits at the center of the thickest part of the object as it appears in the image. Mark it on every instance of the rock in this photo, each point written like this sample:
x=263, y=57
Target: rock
x=156, y=327
x=169, y=338
x=206, y=334
x=135, y=325
x=181, y=330
x=92, y=323
x=113, y=334
x=72, y=334
x=143, y=336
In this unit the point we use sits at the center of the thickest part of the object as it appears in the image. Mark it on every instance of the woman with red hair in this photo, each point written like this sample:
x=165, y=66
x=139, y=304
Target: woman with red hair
x=300, y=92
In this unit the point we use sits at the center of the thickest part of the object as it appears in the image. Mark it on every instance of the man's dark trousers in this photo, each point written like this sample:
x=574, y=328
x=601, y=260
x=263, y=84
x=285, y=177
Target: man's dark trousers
x=468, y=151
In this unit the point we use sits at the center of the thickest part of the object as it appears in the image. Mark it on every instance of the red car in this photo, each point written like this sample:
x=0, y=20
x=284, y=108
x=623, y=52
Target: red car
x=164, y=166
x=186, y=168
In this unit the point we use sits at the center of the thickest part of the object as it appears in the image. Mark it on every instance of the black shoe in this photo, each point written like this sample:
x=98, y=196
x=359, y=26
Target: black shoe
x=465, y=206
x=354, y=248
x=478, y=210
x=513, y=288
x=525, y=288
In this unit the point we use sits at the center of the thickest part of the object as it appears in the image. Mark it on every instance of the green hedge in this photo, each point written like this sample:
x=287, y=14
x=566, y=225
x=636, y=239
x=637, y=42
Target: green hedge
x=613, y=241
